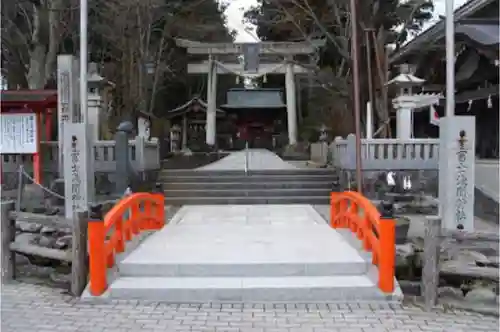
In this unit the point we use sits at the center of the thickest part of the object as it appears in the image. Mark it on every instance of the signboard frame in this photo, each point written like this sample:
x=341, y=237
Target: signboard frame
x=28, y=116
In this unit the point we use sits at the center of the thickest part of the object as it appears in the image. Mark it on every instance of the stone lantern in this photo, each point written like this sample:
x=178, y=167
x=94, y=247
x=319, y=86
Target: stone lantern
x=175, y=138
x=406, y=101
x=94, y=105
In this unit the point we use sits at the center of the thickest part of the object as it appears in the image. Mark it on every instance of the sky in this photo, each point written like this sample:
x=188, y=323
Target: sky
x=236, y=9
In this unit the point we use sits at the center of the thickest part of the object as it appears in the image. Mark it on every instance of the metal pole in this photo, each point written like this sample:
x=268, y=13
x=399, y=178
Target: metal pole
x=450, y=59
x=369, y=70
x=83, y=60
x=355, y=81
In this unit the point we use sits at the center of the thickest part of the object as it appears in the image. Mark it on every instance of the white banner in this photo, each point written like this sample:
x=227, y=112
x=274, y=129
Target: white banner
x=433, y=116
x=18, y=133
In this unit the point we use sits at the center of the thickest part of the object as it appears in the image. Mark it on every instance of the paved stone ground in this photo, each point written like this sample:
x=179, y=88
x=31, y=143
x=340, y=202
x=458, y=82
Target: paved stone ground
x=27, y=307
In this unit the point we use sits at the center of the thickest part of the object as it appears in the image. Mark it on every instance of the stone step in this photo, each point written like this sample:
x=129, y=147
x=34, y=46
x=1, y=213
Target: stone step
x=258, y=269
x=259, y=289
x=250, y=178
x=240, y=192
x=312, y=200
x=201, y=172
x=247, y=185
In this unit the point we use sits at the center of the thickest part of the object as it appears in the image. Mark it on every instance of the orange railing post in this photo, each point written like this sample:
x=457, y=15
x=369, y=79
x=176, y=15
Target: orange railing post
x=160, y=208
x=135, y=217
x=387, y=250
x=97, y=257
x=343, y=208
x=120, y=234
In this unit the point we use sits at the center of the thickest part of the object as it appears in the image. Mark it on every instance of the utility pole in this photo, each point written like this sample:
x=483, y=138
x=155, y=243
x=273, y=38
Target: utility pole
x=450, y=59
x=357, y=97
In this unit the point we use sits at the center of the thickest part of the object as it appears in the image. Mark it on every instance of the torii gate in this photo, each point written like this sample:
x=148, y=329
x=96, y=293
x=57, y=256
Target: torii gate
x=287, y=51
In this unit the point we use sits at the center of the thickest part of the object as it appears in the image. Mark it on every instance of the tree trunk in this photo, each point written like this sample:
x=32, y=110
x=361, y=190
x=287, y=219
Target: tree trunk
x=36, y=73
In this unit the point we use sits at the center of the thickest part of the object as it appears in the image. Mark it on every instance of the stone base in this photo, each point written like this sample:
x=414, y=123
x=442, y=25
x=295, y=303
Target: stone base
x=299, y=151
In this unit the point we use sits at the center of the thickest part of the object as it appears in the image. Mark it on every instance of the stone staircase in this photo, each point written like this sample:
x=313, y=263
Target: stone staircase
x=210, y=187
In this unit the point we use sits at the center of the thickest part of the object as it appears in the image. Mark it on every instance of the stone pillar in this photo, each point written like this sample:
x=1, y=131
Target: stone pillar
x=78, y=173
x=67, y=94
x=369, y=120
x=94, y=110
x=212, y=103
x=122, y=158
x=456, y=172
x=404, y=123
x=291, y=106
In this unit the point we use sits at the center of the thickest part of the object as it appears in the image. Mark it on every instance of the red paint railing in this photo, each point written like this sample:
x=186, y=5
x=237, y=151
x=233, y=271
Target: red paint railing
x=107, y=237
x=353, y=211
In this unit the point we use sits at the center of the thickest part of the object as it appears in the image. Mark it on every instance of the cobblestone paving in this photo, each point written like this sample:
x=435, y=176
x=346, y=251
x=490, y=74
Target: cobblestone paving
x=34, y=308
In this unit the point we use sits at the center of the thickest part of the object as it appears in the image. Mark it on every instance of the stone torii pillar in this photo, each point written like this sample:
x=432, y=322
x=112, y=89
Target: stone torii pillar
x=291, y=104
x=210, y=129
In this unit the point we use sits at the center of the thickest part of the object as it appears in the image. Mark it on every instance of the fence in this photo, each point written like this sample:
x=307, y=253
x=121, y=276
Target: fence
x=107, y=236
x=353, y=211
x=434, y=244
x=144, y=155
x=381, y=154
x=77, y=255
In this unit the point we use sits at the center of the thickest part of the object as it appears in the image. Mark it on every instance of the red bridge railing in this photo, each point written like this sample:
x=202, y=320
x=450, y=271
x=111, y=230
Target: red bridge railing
x=131, y=215
x=353, y=211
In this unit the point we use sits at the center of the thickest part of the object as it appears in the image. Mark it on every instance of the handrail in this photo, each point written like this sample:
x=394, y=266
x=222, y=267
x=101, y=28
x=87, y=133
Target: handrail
x=353, y=211
x=131, y=215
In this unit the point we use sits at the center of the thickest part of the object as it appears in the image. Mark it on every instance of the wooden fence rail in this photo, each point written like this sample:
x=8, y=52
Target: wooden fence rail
x=353, y=211
x=77, y=256
x=437, y=239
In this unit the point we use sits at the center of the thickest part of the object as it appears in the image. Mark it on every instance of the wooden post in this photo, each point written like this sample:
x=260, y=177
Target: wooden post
x=430, y=270
x=8, y=236
x=79, y=265
x=20, y=188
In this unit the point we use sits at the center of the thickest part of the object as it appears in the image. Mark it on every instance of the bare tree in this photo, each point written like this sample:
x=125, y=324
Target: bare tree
x=32, y=31
x=306, y=19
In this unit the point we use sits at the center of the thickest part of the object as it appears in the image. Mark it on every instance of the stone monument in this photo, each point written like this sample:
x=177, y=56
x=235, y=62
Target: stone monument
x=456, y=171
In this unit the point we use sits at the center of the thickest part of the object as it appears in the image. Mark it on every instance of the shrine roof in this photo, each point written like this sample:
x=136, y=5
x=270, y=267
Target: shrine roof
x=187, y=107
x=436, y=33
x=29, y=98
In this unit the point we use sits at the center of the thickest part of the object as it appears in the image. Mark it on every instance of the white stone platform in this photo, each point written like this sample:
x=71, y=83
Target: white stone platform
x=246, y=253
x=261, y=240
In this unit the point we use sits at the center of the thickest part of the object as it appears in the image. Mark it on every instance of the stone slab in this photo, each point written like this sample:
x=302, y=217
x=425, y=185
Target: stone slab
x=289, y=289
